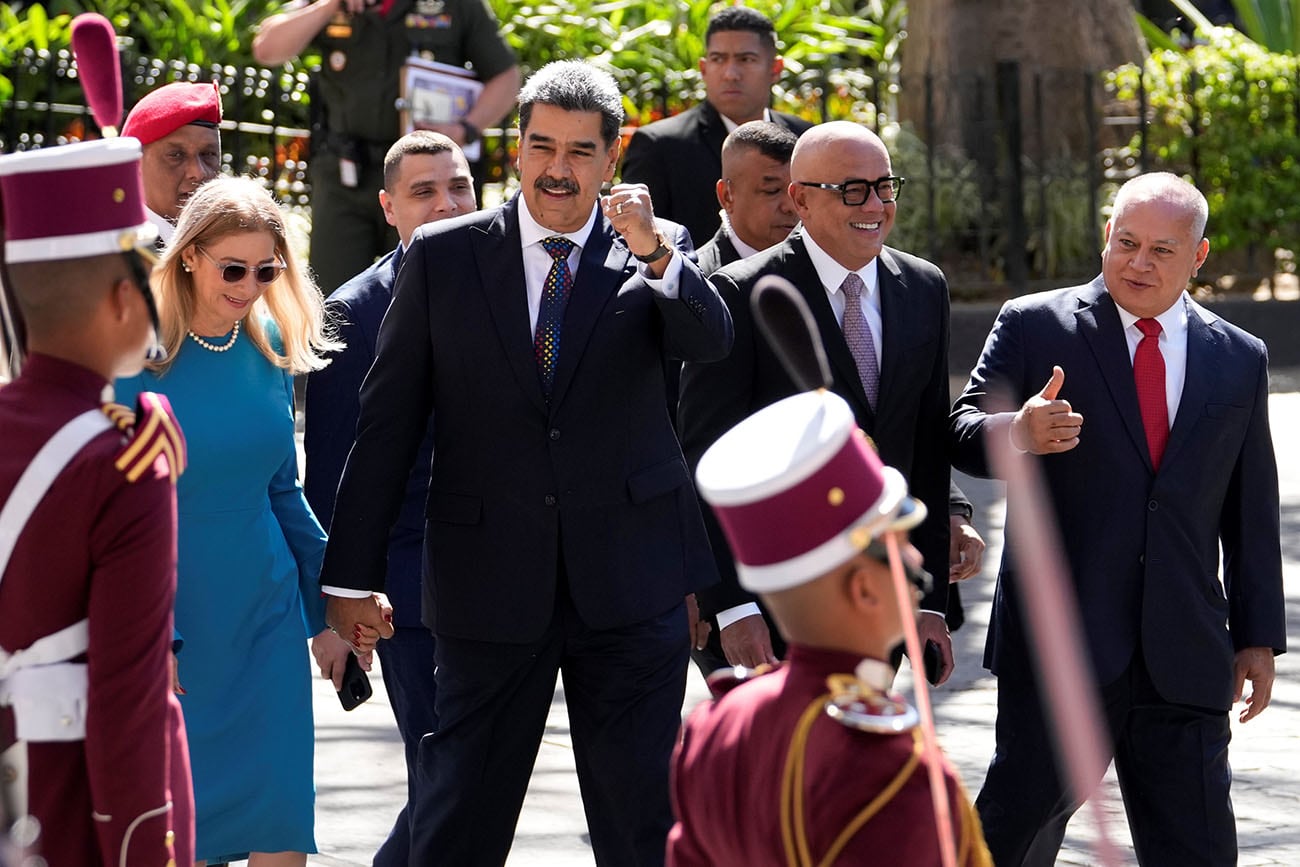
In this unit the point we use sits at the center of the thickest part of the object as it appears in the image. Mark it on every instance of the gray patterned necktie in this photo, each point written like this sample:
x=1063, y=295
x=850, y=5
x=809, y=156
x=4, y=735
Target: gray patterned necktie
x=857, y=335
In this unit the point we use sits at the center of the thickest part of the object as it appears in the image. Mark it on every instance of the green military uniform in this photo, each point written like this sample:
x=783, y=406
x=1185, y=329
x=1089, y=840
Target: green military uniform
x=358, y=88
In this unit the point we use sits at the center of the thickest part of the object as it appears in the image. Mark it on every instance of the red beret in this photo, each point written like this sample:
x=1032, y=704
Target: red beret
x=170, y=107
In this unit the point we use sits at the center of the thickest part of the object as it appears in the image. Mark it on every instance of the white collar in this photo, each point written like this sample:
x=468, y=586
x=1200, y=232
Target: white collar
x=533, y=232
x=166, y=228
x=731, y=125
x=832, y=273
x=1173, y=322
x=742, y=248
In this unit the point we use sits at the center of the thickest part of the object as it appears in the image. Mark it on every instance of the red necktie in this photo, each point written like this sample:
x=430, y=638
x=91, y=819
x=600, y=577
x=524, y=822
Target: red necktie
x=1149, y=376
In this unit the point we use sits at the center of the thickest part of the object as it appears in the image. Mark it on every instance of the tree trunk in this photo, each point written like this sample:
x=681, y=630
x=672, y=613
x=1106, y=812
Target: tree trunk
x=958, y=44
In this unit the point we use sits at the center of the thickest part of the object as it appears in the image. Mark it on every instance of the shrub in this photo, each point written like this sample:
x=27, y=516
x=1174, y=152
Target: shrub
x=1224, y=113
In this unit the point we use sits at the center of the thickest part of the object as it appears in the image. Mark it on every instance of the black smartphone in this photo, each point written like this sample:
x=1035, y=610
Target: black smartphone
x=933, y=663
x=356, y=685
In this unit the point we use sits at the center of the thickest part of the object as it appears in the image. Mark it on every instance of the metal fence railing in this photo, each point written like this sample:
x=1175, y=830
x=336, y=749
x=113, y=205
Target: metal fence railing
x=1003, y=213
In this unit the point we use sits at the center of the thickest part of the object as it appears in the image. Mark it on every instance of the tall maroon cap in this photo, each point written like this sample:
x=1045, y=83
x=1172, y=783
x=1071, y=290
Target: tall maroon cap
x=799, y=490
x=163, y=111
x=101, y=177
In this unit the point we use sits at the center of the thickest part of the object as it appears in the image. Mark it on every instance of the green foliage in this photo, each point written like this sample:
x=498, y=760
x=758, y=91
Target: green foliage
x=202, y=32
x=1224, y=113
x=1274, y=24
x=653, y=46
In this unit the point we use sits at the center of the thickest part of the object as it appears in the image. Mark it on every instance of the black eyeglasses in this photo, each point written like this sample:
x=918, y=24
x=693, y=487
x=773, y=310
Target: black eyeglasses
x=235, y=271
x=855, y=192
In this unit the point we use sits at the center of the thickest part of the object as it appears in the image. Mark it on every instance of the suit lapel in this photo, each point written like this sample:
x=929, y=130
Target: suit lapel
x=500, y=261
x=801, y=273
x=895, y=324
x=600, y=274
x=1203, y=346
x=1099, y=322
x=713, y=132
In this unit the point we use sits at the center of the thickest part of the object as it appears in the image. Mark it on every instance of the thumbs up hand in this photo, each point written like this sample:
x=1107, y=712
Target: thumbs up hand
x=1045, y=424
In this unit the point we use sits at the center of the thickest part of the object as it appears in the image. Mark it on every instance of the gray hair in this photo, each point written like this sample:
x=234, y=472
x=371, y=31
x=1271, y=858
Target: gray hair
x=1166, y=187
x=574, y=85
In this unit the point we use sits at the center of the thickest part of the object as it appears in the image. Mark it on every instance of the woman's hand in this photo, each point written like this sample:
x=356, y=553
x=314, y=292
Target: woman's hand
x=331, y=655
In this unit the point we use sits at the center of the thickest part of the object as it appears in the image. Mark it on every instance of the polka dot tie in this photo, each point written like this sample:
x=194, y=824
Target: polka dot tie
x=555, y=295
x=1149, y=376
x=857, y=334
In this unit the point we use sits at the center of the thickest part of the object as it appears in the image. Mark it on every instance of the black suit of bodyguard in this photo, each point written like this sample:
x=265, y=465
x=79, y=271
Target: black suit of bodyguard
x=562, y=534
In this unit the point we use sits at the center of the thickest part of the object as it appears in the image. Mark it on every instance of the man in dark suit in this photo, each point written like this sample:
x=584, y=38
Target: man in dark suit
x=757, y=212
x=426, y=178
x=899, y=311
x=679, y=158
x=563, y=532
x=1175, y=459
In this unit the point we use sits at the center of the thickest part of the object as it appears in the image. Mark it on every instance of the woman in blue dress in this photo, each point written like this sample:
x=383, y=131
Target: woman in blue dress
x=238, y=319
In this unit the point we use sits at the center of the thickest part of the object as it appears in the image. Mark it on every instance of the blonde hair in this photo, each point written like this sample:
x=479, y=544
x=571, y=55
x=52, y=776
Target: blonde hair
x=235, y=205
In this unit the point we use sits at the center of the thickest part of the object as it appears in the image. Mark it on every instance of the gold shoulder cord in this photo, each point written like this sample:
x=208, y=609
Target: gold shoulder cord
x=794, y=835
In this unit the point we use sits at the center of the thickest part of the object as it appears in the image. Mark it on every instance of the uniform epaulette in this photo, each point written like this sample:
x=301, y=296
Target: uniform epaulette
x=724, y=680
x=156, y=432
x=857, y=705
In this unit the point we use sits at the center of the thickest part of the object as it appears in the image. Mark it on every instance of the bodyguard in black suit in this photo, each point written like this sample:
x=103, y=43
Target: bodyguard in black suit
x=679, y=158
x=563, y=532
x=1154, y=436
x=426, y=178
x=757, y=211
x=905, y=304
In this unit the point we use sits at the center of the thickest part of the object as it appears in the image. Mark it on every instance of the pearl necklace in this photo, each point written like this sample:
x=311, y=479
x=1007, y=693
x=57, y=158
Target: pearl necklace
x=234, y=335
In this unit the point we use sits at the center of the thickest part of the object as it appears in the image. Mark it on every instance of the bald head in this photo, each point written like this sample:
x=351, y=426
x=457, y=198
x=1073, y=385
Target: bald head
x=1167, y=189
x=833, y=154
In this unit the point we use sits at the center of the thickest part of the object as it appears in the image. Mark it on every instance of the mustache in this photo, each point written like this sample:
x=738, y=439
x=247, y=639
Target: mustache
x=563, y=185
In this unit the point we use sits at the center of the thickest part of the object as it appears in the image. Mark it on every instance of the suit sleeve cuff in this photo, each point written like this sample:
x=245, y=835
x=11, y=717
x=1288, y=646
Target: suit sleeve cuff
x=729, y=616
x=344, y=592
x=667, y=286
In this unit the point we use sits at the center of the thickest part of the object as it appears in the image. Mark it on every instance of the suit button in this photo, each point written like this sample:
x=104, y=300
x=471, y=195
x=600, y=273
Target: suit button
x=554, y=434
x=550, y=499
x=1142, y=559
x=1152, y=505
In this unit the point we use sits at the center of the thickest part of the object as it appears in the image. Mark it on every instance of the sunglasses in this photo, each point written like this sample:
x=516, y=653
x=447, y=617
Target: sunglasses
x=234, y=272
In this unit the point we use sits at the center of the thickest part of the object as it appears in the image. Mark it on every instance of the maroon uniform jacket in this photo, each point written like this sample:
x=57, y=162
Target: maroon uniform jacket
x=102, y=548
x=728, y=774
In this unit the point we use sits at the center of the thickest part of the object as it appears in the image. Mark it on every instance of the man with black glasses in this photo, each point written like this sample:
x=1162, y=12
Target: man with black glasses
x=883, y=318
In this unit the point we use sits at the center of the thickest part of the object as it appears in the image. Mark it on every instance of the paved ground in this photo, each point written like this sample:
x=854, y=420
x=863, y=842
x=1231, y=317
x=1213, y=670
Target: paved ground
x=360, y=784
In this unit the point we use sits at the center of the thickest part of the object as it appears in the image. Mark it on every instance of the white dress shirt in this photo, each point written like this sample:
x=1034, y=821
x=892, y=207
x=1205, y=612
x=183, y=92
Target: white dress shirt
x=831, y=274
x=1173, y=346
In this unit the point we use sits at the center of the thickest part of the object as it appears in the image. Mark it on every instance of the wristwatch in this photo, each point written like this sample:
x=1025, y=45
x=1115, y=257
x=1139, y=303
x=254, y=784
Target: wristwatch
x=657, y=253
x=470, y=132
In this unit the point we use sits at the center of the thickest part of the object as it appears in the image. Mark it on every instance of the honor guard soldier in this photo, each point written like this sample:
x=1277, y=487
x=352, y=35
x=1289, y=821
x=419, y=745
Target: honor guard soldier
x=96, y=768
x=815, y=761
x=178, y=126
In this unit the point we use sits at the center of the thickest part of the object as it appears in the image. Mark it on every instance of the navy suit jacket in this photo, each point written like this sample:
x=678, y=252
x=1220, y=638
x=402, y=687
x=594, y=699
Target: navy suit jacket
x=333, y=405
x=595, y=478
x=719, y=251
x=680, y=159
x=910, y=422
x=1142, y=546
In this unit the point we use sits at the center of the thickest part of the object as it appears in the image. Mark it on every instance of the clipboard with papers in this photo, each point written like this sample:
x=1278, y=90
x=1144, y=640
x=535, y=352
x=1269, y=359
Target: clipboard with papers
x=434, y=93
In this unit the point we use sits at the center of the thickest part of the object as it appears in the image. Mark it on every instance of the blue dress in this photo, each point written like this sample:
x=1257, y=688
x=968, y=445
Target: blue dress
x=247, y=599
